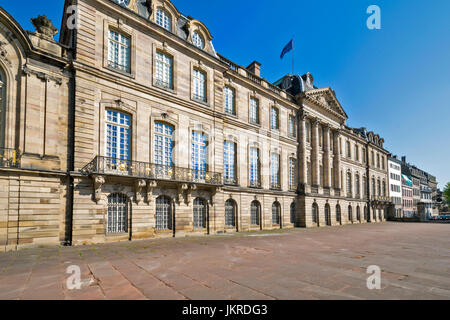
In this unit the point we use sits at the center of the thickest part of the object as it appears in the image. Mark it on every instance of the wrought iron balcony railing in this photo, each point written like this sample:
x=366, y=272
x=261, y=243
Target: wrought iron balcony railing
x=9, y=158
x=255, y=184
x=145, y=170
x=230, y=181
x=381, y=198
x=275, y=186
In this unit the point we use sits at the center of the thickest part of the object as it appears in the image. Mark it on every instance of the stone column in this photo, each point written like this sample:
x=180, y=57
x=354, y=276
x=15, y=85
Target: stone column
x=327, y=160
x=337, y=160
x=315, y=153
x=301, y=159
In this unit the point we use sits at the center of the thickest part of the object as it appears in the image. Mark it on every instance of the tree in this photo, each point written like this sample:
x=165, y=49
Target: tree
x=447, y=192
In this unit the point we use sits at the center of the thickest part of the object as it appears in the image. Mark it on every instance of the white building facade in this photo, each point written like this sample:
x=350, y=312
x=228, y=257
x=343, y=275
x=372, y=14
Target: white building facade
x=395, y=186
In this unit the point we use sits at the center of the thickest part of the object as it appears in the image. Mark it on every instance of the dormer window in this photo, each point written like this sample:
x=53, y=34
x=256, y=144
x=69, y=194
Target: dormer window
x=123, y=3
x=197, y=40
x=163, y=19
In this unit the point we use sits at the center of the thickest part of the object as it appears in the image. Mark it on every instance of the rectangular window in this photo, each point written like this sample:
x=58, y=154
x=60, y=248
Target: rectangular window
x=199, y=79
x=356, y=153
x=229, y=162
x=292, y=126
x=118, y=51
x=164, y=70
x=254, y=111
x=292, y=182
x=254, y=167
x=275, y=171
x=274, y=115
x=229, y=100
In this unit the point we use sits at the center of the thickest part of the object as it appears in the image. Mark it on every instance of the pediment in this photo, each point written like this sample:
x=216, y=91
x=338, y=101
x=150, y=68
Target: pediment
x=326, y=98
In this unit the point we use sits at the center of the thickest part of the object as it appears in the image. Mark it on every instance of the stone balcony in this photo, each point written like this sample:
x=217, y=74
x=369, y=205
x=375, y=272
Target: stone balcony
x=101, y=165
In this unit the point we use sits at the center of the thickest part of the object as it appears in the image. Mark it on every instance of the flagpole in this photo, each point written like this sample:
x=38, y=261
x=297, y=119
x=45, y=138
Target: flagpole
x=293, y=50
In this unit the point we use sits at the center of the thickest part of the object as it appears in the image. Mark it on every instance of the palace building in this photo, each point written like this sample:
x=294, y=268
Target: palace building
x=132, y=126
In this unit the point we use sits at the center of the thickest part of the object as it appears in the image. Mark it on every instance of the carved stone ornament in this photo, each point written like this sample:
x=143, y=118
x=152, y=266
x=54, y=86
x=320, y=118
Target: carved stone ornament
x=150, y=186
x=99, y=181
x=44, y=26
x=4, y=53
x=140, y=184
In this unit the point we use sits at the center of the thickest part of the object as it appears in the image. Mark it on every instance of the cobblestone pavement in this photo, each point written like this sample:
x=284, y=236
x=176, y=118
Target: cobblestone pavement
x=326, y=263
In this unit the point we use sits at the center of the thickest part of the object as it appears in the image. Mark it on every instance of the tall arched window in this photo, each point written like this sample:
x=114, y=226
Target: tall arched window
x=276, y=213
x=198, y=155
x=379, y=187
x=364, y=187
x=327, y=215
x=117, y=218
x=200, y=213
x=229, y=162
x=384, y=188
x=163, y=213
x=254, y=167
x=255, y=211
x=366, y=217
x=230, y=213
x=357, y=185
x=338, y=213
x=118, y=131
x=275, y=171
x=292, y=209
x=374, y=191
x=349, y=184
x=315, y=213
x=350, y=214
x=2, y=108
x=274, y=118
x=163, y=148
x=358, y=214
x=308, y=131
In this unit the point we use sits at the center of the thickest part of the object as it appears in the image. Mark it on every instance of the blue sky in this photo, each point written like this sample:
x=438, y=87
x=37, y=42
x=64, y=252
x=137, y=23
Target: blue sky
x=395, y=81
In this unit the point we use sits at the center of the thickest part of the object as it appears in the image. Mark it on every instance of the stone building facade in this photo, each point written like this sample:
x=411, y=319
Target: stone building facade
x=146, y=131
x=34, y=146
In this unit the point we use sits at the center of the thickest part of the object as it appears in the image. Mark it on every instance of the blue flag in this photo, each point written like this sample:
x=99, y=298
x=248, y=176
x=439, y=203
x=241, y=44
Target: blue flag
x=288, y=48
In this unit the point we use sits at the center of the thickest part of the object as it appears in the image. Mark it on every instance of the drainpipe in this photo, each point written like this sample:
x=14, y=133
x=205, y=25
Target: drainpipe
x=369, y=202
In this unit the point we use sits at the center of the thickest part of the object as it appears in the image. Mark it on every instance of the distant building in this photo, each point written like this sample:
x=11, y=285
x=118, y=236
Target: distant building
x=407, y=193
x=395, y=186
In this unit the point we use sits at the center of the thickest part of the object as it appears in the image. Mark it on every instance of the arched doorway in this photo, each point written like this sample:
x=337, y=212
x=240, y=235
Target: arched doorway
x=338, y=214
x=230, y=214
x=315, y=214
x=163, y=217
x=350, y=214
x=292, y=213
x=327, y=215
x=117, y=216
x=358, y=214
x=276, y=213
x=255, y=213
x=200, y=212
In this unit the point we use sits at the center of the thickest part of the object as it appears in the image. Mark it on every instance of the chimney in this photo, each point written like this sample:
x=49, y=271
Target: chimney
x=255, y=68
x=404, y=159
x=395, y=157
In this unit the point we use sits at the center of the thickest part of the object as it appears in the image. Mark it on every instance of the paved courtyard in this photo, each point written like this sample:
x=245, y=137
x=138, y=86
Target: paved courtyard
x=325, y=263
